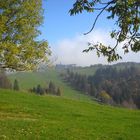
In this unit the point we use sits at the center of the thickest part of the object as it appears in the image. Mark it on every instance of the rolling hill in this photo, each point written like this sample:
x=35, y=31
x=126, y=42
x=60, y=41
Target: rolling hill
x=30, y=79
x=90, y=70
x=72, y=116
x=27, y=116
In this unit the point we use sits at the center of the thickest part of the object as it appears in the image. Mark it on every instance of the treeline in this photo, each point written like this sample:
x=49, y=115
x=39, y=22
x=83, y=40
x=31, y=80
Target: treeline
x=5, y=83
x=50, y=89
x=109, y=85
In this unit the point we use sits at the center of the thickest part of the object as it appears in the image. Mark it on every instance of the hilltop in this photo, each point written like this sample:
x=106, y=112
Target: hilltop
x=90, y=70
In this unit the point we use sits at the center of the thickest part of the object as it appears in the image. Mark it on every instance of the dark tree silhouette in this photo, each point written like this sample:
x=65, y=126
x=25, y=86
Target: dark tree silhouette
x=4, y=81
x=16, y=85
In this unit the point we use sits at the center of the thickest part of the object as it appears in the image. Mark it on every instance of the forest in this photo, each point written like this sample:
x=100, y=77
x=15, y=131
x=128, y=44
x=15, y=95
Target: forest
x=109, y=84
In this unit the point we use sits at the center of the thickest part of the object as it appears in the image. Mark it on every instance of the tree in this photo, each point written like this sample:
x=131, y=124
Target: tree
x=19, y=47
x=127, y=16
x=39, y=90
x=105, y=97
x=58, y=92
x=52, y=88
x=16, y=85
x=4, y=81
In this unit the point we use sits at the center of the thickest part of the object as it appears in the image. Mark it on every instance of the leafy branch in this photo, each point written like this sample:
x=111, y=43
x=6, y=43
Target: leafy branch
x=127, y=16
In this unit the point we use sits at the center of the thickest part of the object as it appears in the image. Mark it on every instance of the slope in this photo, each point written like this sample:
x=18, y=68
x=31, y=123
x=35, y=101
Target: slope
x=27, y=116
x=30, y=79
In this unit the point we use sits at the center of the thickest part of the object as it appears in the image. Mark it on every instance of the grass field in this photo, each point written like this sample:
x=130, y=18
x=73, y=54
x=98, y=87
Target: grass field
x=30, y=79
x=30, y=117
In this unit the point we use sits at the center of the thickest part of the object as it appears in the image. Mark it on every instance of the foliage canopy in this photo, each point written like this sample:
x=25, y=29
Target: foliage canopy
x=19, y=47
x=127, y=16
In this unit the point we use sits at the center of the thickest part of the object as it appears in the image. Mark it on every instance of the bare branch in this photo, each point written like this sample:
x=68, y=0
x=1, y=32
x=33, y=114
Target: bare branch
x=102, y=10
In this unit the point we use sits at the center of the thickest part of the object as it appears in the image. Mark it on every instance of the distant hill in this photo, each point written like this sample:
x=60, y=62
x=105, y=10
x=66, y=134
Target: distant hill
x=28, y=117
x=89, y=83
x=90, y=70
x=117, y=84
x=28, y=80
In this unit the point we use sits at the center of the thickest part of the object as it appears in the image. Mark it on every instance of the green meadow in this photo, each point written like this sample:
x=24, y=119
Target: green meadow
x=30, y=79
x=25, y=116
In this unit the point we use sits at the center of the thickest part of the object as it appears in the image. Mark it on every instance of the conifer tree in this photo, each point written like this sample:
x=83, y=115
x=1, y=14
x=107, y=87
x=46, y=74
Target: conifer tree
x=16, y=85
x=58, y=92
x=52, y=88
x=39, y=90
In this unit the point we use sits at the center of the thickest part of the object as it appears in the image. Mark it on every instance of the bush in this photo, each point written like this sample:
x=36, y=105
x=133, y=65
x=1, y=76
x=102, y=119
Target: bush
x=105, y=97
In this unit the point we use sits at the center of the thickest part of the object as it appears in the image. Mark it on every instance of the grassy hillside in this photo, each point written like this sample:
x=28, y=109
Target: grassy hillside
x=30, y=79
x=30, y=117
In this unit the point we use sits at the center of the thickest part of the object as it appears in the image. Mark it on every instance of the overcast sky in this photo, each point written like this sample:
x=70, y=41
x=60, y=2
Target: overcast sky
x=65, y=34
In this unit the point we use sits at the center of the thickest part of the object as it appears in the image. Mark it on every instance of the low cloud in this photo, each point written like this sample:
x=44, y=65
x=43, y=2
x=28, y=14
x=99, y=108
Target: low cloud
x=69, y=51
